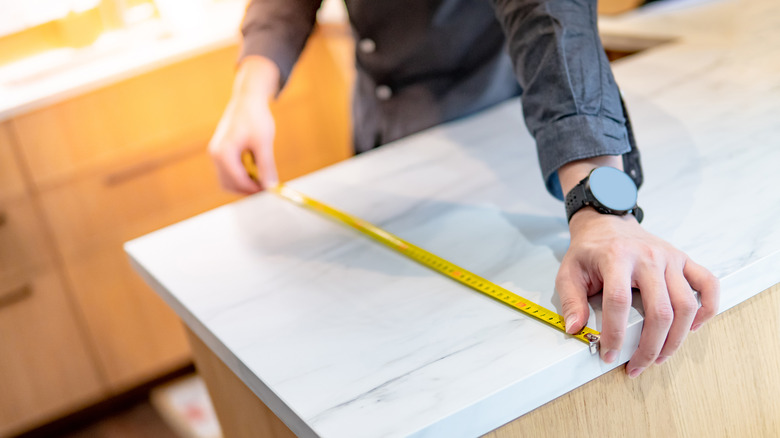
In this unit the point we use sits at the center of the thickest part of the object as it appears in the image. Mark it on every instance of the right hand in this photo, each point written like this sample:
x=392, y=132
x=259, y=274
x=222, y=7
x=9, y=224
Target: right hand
x=247, y=125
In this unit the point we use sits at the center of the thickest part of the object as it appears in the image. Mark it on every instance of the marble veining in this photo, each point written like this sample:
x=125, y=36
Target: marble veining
x=344, y=338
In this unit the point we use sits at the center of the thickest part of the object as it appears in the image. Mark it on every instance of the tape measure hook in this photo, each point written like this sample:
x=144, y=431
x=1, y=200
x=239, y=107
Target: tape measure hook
x=593, y=342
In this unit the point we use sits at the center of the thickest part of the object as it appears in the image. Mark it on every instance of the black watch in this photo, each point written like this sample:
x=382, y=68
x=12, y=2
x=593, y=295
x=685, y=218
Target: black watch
x=606, y=189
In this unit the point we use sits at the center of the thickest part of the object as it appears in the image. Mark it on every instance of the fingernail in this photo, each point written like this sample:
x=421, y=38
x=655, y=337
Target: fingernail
x=635, y=372
x=661, y=359
x=610, y=356
x=571, y=320
x=696, y=327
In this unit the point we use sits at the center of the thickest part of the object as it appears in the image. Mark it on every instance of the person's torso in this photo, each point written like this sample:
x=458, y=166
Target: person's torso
x=423, y=62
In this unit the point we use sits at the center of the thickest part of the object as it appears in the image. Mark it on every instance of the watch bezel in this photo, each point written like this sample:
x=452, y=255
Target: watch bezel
x=592, y=200
x=581, y=195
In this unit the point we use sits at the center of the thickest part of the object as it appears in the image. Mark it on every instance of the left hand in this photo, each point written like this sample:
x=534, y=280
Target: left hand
x=614, y=254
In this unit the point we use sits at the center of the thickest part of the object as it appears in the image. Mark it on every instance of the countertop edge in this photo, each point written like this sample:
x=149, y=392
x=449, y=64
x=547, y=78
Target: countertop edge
x=290, y=418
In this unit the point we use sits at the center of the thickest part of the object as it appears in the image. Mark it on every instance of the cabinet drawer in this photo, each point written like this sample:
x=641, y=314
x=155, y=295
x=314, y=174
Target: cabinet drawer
x=11, y=181
x=45, y=366
x=109, y=209
x=136, y=334
x=128, y=121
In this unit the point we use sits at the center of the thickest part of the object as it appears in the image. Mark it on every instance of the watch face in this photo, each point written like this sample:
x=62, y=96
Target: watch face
x=613, y=188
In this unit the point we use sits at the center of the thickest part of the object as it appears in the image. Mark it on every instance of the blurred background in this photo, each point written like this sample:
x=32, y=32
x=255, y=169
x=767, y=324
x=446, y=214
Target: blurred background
x=106, y=109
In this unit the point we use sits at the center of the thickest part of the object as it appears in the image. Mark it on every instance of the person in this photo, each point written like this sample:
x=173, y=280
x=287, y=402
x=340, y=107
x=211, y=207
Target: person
x=422, y=62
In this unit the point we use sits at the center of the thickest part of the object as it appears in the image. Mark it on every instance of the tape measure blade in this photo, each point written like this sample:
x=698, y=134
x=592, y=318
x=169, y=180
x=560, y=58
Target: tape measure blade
x=440, y=265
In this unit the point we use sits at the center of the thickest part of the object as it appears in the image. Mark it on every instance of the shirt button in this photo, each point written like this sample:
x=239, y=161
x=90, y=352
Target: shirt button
x=383, y=92
x=367, y=45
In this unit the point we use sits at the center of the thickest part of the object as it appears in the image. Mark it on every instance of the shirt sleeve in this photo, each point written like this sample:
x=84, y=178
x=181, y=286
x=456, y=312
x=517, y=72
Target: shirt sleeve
x=277, y=30
x=571, y=103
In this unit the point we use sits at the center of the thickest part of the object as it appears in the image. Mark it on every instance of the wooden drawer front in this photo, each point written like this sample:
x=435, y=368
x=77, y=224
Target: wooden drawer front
x=23, y=244
x=127, y=122
x=11, y=181
x=45, y=368
x=136, y=334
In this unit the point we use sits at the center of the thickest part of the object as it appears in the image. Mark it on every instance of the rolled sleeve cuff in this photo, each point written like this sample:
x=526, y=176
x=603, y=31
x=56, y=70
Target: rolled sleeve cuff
x=271, y=46
x=575, y=138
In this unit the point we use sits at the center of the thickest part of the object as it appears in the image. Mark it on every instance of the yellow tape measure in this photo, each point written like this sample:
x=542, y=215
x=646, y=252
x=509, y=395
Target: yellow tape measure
x=430, y=260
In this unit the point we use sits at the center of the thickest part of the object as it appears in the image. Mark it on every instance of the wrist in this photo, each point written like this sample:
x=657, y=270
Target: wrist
x=257, y=79
x=587, y=217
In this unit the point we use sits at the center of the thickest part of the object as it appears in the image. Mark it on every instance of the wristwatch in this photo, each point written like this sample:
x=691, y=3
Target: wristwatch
x=608, y=191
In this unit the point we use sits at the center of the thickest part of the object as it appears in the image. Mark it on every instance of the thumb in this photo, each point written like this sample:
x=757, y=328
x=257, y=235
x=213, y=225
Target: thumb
x=264, y=153
x=269, y=174
x=574, y=300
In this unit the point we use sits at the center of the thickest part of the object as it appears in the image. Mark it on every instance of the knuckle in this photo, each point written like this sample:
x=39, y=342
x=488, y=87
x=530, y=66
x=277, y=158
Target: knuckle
x=616, y=250
x=687, y=307
x=713, y=282
x=663, y=315
x=217, y=155
x=673, y=345
x=613, y=337
x=570, y=302
x=653, y=257
x=676, y=258
x=646, y=356
x=617, y=298
x=707, y=314
x=213, y=150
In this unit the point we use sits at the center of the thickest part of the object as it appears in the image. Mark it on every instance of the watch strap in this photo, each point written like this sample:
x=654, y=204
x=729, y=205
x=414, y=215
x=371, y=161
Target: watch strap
x=576, y=199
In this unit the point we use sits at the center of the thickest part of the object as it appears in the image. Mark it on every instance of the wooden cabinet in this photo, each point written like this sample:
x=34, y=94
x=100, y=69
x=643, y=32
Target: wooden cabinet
x=46, y=366
x=46, y=369
x=136, y=334
x=81, y=177
x=113, y=165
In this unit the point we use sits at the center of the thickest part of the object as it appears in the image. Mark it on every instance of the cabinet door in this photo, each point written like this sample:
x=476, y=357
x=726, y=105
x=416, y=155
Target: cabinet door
x=46, y=368
x=137, y=336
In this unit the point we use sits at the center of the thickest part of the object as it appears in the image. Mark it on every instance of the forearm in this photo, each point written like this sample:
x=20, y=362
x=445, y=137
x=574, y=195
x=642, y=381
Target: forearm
x=570, y=100
x=277, y=30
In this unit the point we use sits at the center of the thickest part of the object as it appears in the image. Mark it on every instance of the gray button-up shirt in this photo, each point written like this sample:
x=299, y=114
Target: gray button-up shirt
x=424, y=62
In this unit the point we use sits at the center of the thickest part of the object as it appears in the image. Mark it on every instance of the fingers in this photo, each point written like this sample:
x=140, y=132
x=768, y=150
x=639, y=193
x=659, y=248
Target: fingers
x=617, y=255
x=264, y=152
x=659, y=316
x=574, y=299
x=708, y=287
x=236, y=177
x=616, y=304
x=241, y=130
x=684, y=306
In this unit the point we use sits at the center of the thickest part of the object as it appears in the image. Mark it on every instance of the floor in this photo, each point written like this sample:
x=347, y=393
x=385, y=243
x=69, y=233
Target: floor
x=139, y=420
x=128, y=415
x=135, y=419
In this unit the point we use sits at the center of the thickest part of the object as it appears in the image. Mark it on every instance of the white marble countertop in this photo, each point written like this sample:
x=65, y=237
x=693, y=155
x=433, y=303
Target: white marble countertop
x=343, y=338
